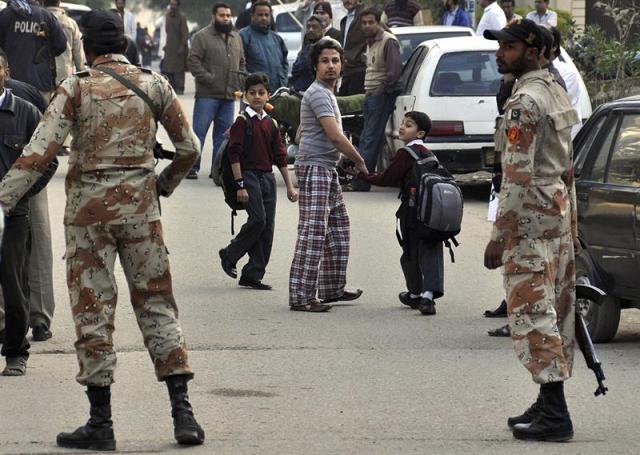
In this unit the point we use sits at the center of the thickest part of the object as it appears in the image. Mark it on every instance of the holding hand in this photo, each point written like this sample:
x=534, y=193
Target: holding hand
x=493, y=255
x=292, y=194
x=361, y=167
x=243, y=196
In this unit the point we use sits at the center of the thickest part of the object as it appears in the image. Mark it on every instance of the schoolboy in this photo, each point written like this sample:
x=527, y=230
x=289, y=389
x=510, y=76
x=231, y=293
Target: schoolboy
x=422, y=262
x=255, y=184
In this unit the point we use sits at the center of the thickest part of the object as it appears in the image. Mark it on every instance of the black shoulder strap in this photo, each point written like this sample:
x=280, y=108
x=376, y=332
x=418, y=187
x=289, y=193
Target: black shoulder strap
x=131, y=86
x=421, y=160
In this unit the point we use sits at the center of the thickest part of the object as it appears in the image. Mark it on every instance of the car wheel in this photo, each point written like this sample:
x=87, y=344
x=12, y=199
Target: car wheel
x=602, y=320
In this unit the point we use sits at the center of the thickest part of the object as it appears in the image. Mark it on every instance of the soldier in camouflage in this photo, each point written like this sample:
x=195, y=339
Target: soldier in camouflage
x=535, y=234
x=112, y=210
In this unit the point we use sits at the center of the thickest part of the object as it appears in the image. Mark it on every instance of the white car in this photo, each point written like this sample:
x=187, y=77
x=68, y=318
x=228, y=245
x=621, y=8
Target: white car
x=288, y=27
x=455, y=81
x=410, y=37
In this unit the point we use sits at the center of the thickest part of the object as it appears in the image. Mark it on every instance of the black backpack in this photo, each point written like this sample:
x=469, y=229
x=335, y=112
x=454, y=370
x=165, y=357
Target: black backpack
x=437, y=202
x=223, y=168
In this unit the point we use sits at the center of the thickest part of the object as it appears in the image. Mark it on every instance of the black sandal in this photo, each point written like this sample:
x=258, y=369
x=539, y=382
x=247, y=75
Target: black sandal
x=311, y=307
x=503, y=331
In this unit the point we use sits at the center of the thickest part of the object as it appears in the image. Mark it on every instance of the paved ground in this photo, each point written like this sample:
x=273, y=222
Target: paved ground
x=370, y=378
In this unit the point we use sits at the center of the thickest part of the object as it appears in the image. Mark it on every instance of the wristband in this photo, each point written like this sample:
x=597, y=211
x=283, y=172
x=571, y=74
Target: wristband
x=239, y=184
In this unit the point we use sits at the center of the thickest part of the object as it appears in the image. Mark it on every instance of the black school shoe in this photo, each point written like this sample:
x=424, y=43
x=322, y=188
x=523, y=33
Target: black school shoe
x=406, y=299
x=41, y=333
x=427, y=306
x=254, y=284
x=228, y=266
x=346, y=296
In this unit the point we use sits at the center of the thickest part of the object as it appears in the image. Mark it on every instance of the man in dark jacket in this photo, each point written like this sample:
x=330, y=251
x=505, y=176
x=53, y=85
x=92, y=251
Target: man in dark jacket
x=18, y=121
x=176, y=49
x=32, y=37
x=354, y=43
x=302, y=72
x=264, y=49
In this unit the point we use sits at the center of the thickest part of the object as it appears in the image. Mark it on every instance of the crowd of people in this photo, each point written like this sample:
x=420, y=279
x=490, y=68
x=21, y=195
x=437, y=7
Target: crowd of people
x=113, y=193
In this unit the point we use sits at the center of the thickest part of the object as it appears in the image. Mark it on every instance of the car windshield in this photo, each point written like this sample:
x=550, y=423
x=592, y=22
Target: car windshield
x=286, y=23
x=466, y=74
x=410, y=41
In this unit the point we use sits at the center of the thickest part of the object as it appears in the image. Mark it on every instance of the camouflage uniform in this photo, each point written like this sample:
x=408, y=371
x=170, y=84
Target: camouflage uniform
x=536, y=222
x=112, y=208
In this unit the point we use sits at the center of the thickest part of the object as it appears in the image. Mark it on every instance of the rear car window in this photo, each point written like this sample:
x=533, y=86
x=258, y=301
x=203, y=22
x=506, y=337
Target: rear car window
x=285, y=23
x=409, y=42
x=472, y=73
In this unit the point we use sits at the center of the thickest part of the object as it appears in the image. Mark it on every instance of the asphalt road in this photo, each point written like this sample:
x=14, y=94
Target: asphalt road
x=368, y=378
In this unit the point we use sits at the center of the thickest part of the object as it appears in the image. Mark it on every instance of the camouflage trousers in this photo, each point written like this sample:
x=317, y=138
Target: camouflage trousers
x=540, y=285
x=91, y=253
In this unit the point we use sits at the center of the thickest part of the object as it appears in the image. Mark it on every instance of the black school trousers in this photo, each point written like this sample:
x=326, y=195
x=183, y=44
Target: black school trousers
x=422, y=262
x=256, y=235
x=14, y=261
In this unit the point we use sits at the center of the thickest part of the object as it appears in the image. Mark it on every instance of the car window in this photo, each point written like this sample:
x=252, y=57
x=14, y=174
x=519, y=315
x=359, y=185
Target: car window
x=285, y=23
x=466, y=74
x=411, y=69
x=624, y=167
x=409, y=42
x=587, y=143
x=599, y=168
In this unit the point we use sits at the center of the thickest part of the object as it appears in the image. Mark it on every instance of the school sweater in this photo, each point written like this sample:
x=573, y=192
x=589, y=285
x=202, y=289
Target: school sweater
x=264, y=152
x=398, y=173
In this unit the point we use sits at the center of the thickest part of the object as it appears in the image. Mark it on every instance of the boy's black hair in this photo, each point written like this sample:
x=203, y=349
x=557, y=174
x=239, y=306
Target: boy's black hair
x=372, y=11
x=219, y=5
x=557, y=40
x=256, y=79
x=513, y=2
x=422, y=120
x=255, y=5
x=325, y=43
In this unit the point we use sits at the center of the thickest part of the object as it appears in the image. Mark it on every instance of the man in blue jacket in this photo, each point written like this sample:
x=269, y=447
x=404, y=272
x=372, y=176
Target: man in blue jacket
x=32, y=37
x=454, y=15
x=264, y=50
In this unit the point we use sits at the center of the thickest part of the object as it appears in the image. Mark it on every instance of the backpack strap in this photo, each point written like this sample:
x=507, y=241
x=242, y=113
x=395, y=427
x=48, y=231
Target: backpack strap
x=421, y=160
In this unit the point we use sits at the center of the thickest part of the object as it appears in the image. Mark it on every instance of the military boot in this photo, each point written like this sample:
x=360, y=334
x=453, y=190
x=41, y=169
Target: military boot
x=528, y=415
x=553, y=422
x=97, y=434
x=185, y=428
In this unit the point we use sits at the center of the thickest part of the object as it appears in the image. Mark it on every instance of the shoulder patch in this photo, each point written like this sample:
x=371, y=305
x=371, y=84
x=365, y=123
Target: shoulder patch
x=515, y=114
x=513, y=134
x=85, y=73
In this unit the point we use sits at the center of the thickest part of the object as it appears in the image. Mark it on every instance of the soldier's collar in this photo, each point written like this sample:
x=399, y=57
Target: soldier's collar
x=106, y=58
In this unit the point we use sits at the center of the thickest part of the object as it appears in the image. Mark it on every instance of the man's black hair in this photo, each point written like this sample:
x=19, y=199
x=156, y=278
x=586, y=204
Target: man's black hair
x=256, y=79
x=324, y=43
x=548, y=41
x=513, y=2
x=422, y=120
x=217, y=6
x=4, y=58
x=48, y=3
x=259, y=3
x=372, y=11
x=557, y=40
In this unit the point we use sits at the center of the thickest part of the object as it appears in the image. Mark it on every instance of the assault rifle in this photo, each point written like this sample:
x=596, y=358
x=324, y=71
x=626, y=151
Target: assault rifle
x=592, y=293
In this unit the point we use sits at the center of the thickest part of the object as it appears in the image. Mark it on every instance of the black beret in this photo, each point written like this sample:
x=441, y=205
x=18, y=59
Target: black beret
x=102, y=27
x=524, y=30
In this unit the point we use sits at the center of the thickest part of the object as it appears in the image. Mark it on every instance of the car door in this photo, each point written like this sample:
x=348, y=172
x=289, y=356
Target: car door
x=607, y=193
x=406, y=100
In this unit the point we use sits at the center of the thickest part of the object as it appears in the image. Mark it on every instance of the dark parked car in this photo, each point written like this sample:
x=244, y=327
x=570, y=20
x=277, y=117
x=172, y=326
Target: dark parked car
x=607, y=151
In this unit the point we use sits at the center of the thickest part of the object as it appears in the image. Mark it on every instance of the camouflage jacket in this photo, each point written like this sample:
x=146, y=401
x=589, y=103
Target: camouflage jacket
x=111, y=178
x=537, y=197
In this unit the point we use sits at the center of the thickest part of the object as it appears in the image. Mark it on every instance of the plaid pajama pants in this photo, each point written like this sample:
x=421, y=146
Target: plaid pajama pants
x=322, y=250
